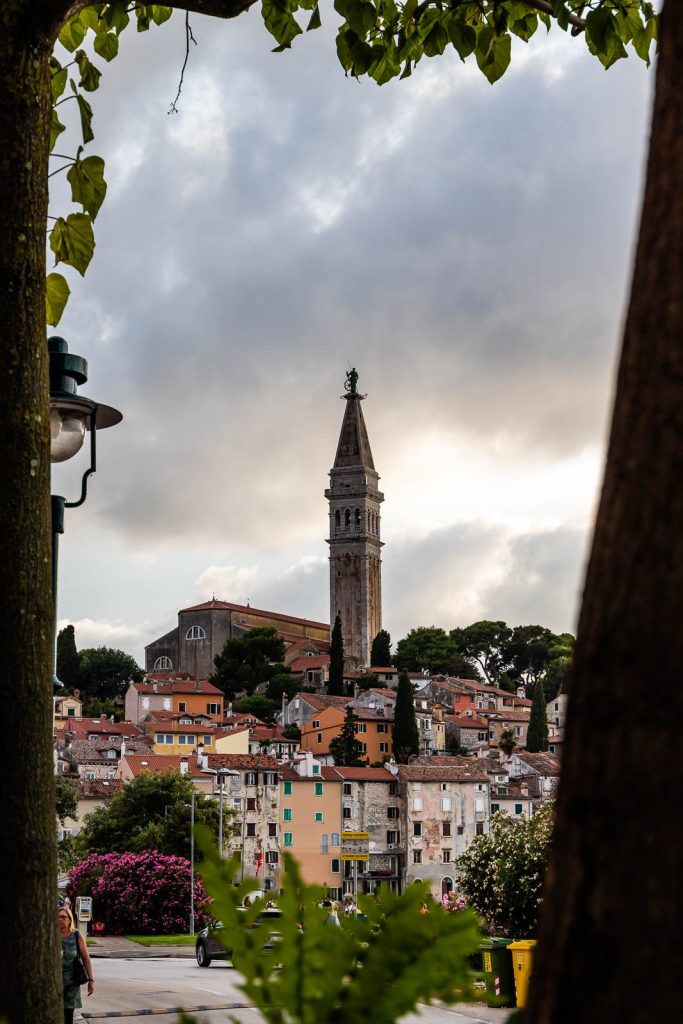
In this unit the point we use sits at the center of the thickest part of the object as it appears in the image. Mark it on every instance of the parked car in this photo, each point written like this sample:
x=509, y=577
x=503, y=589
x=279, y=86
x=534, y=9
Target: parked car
x=213, y=943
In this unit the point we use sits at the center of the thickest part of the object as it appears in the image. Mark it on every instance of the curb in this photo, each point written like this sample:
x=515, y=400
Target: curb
x=103, y=1015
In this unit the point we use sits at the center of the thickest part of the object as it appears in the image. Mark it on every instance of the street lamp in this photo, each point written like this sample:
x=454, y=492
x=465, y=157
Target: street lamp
x=71, y=415
x=222, y=774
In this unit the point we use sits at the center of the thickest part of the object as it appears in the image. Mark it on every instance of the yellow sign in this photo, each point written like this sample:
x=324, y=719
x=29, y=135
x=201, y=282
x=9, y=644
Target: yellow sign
x=355, y=856
x=355, y=835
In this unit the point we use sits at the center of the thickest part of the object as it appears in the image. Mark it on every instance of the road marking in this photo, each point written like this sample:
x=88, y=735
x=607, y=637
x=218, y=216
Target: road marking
x=111, y=1014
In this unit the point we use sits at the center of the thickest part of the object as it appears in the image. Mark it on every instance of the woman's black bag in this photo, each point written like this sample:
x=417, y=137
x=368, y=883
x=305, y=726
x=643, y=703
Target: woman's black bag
x=81, y=976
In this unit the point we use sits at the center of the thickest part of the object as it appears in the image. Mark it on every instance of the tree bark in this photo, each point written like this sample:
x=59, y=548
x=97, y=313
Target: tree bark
x=612, y=904
x=29, y=949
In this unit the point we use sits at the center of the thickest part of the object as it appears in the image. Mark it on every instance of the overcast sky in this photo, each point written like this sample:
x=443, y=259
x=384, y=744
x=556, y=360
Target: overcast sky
x=466, y=247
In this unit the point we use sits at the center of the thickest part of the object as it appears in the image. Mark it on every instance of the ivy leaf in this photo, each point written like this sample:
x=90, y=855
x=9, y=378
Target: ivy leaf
x=561, y=13
x=360, y=15
x=90, y=75
x=602, y=37
x=89, y=18
x=315, y=20
x=56, y=129
x=463, y=37
x=524, y=27
x=58, y=77
x=73, y=242
x=160, y=14
x=493, y=59
x=85, y=111
x=88, y=186
x=106, y=44
x=116, y=17
x=57, y=294
x=279, y=21
x=435, y=43
x=72, y=35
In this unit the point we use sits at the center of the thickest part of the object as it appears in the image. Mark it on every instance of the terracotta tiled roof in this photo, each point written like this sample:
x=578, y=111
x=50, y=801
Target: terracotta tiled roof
x=101, y=789
x=246, y=610
x=373, y=714
x=161, y=763
x=365, y=774
x=309, y=661
x=264, y=732
x=320, y=701
x=470, y=772
x=543, y=762
x=93, y=727
x=240, y=719
x=465, y=721
x=507, y=715
x=263, y=761
x=383, y=692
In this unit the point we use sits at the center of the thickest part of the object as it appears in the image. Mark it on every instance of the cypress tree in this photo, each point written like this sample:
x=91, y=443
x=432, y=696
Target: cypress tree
x=406, y=735
x=537, y=733
x=68, y=661
x=380, y=653
x=336, y=682
x=345, y=748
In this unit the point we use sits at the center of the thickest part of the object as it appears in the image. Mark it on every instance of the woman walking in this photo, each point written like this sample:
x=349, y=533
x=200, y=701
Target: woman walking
x=73, y=945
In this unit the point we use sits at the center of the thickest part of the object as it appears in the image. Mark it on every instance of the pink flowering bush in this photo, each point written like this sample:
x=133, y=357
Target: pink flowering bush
x=144, y=893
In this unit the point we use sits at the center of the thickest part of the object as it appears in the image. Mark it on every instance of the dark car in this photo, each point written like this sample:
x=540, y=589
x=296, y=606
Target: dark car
x=212, y=942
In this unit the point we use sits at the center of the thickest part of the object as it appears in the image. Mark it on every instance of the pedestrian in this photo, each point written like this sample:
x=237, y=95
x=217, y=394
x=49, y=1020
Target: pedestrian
x=73, y=944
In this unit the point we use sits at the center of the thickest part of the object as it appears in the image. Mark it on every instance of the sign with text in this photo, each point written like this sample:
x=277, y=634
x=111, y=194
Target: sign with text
x=355, y=846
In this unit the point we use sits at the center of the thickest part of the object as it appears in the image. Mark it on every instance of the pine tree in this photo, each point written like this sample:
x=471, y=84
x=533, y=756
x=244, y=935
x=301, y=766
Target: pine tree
x=68, y=661
x=345, y=748
x=336, y=682
x=380, y=654
x=406, y=735
x=537, y=733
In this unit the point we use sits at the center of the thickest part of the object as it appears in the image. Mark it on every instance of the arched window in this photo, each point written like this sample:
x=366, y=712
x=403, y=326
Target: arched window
x=163, y=664
x=446, y=885
x=337, y=521
x=369, y=522
x=358, y=519
x=347, y=519
x=195, y=633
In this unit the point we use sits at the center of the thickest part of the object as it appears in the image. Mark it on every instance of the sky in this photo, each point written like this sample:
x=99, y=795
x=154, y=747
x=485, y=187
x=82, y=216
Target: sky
x=466, y=247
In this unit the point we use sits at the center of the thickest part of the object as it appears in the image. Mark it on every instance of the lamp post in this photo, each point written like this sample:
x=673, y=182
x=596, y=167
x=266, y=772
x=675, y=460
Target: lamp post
x=70, y=416
x=192, y=862
x=221, y=774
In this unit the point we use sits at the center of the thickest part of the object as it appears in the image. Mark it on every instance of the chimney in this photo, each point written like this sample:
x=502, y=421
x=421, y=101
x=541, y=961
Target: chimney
x=197, y=687
x=204, y=763
x=103, y=717
x=123, y=746
x=77, y=694
x=184, y=766
x=154, y=688
x=356, y=691
x=200, y=752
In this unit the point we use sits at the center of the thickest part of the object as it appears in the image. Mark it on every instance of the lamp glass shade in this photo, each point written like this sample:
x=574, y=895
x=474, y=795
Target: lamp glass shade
x=67, y=432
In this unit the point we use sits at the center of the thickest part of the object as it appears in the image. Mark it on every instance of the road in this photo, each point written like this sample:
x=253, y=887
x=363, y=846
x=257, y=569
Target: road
x=128, y=990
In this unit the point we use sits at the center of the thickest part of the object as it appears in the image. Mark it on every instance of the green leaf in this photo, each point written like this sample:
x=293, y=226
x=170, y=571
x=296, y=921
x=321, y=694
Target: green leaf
x=89, y=18
x=106, y=44
x=495, y=60
x=386, y=67
x=315, y=20
x=281, y=24
x=58, y=77
x=85, y=111
x=88, y=186
x=57, y=294
x=56, y=129
x=116, y=17
x=561, y=13
x=525, y=27
x=435, y=43
x=143, y=15
x=463, y=37
x=602, y=37
x=90, y=75
x=72, y=241
x=72, y=35
x=160, y=14
x=360, y=15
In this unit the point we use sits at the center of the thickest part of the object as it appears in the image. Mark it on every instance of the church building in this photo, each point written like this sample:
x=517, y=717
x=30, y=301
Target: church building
x=354, y=538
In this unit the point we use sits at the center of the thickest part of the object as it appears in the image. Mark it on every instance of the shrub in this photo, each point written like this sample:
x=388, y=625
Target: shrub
x=146, y=893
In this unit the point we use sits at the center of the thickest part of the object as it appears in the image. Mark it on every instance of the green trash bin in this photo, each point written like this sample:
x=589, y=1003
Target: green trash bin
x=498, y=972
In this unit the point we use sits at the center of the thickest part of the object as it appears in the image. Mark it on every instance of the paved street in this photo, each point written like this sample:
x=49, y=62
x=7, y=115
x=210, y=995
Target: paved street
x=127, y=989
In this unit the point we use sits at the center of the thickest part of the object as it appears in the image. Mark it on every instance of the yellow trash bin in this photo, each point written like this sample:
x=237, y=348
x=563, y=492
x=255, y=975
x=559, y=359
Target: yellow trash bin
x=522, y=963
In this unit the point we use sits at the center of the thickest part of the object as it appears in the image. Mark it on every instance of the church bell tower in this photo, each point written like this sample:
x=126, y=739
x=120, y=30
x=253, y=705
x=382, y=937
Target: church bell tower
x=354, y=537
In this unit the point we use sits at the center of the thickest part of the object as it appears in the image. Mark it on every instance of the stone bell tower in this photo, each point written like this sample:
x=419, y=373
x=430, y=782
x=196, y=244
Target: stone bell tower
x=354, y=537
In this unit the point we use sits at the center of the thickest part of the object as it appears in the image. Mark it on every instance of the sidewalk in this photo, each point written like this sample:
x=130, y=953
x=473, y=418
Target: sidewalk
x=115, y=947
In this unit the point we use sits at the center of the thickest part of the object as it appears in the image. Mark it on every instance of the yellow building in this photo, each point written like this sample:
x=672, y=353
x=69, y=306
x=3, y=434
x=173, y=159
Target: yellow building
x=310, y=811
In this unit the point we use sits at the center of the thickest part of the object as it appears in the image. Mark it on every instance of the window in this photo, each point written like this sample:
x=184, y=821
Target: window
x=393, y=788
x=251, y=828
x=318, y=815
x=393, y=838
x=71, y=711
x=347, y=789
x=417, y=828
x=318, y=789
x=461, y=830
x=382, y=727
x=445, y=828
x=518, y=808
x=165, y=663
x=392, y=812
x=479, y=828
x=287, y=814
x=251, y=803
x=182, y=705
x=445, y=786
x=185, y=741
x=212, y=709
x=346, y=812
x=479, y=806
x=360, y=727
x=270, y=778
x=519, y=731
x=480, y=787
x=324, y=842
x=111, y=754
x=237, y=803
x=316, y=723
x=195, y=633
x=445, y=803
x=384, y=748
x=417, y=856
x=335, y=865
x=363, y=748
x=319, y=737
x=271, y=857
x=207, y=740
x=272, y=828
x=316, y=769
x=251, y=779
x=288, y=838
x=334, y=838
x=417, y=803
x=287, y=789
x=445, y=856
x=495, y=808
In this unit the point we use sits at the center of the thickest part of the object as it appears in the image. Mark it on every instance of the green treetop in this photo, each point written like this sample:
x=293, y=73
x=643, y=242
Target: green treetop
x=537, y=733
x=345, y=748
x=105, y=672
x=248, y=660
x=406, y=735
x=336, y=681
x=380, y=653
x=68, y=662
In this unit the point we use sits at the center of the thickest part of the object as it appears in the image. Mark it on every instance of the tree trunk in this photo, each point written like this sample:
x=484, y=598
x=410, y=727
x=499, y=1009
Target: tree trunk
x=613, y=897
x=31, y=989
